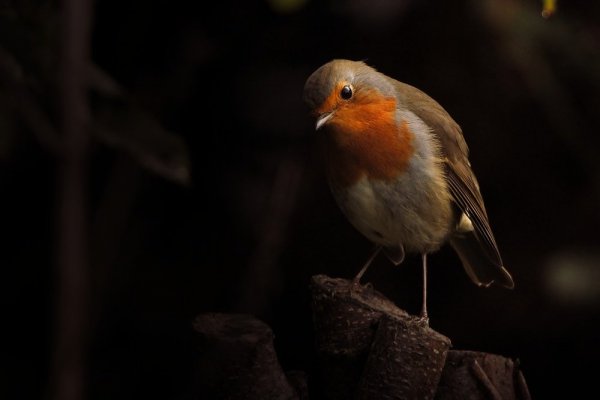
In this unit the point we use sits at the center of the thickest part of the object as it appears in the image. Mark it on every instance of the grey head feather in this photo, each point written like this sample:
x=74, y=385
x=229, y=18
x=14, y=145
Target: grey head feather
x=323, y=81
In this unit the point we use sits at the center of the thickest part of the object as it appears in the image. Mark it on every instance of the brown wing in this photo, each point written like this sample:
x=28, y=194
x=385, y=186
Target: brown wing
x=461, y=180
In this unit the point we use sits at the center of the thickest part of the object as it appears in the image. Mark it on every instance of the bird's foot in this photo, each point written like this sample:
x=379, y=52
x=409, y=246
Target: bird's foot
x=356, y=287
x=423, y=319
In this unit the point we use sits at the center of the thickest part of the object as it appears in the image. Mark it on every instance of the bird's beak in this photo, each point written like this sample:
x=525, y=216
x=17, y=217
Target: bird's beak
x=322, y=119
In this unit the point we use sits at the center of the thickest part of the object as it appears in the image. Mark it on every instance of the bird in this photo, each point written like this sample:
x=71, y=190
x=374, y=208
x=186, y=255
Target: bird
x=398, y=167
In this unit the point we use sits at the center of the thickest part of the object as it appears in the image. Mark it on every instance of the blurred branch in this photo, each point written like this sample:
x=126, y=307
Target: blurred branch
x=12, y=79
x=120, y=123
x=271, y=237
x=28, y=63
x=73, y=269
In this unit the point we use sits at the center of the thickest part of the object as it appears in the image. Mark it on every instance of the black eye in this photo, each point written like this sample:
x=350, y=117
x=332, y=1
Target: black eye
x=346, y=92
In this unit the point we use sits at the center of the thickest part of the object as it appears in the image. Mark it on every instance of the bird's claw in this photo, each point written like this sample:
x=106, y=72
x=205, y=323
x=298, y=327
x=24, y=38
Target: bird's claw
x=423, y=320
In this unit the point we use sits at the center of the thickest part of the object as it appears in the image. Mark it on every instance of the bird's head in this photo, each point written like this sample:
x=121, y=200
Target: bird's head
x=341, y=86
x=357, y=108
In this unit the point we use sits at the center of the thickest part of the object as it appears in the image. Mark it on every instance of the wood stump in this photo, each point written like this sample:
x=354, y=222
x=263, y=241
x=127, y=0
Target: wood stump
x=237, y=360
x=471, y=375
x=368, y=348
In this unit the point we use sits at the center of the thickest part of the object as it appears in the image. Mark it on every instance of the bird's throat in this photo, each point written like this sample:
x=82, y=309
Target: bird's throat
x=365, y=139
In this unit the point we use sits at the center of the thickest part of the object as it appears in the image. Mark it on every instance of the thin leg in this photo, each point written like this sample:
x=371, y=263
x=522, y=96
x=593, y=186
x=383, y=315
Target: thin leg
x=356, y=279
x=424, y=315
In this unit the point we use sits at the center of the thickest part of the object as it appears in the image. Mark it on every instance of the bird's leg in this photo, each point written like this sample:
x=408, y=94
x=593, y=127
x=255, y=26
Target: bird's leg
x=424, y=315
x=356, y=279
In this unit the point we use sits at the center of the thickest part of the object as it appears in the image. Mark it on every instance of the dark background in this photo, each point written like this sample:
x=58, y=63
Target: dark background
x=254, y=220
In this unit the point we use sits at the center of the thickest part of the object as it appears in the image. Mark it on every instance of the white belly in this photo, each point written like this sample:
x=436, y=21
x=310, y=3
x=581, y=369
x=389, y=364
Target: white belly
x=414, y=211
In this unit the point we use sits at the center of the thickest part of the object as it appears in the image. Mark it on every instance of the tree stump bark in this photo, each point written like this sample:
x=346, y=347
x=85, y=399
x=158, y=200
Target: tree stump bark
x=367, y=349
x=353, y=323
x=237, y=360
x=405, y=362
x=470, y=375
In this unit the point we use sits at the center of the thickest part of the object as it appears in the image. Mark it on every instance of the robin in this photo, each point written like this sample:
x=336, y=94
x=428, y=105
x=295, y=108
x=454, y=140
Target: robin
x=398, y=167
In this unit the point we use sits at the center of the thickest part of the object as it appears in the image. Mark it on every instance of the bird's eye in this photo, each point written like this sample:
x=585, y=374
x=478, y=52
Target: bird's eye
x=346, y=92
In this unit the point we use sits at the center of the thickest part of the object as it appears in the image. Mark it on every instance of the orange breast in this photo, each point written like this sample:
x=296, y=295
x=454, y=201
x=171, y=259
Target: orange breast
x=364, y=139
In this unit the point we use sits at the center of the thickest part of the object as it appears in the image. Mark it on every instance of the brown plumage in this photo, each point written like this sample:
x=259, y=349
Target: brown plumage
x=398, y=167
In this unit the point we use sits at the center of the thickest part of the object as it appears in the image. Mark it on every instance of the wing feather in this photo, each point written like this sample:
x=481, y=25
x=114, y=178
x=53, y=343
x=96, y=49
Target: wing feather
x=461, y=179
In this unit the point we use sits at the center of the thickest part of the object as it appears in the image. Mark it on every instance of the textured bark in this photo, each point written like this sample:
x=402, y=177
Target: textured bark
x=299, y=382
x=405, y=362
x=345, y=319
x=367, y=349
x=348, y=331
x=470, y=375
x=238, y=360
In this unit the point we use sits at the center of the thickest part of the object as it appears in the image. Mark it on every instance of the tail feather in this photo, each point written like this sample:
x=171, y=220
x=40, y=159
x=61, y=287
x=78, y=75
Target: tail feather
x=477, y=264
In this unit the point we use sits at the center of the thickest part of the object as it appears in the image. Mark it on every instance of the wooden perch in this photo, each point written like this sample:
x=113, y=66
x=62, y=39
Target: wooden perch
x=237, y=360
x=369, y=348
x=470, y=375
x=405, y=361
x=345, y=322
